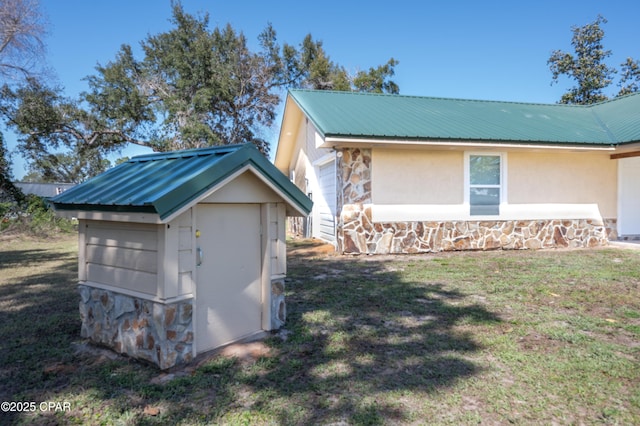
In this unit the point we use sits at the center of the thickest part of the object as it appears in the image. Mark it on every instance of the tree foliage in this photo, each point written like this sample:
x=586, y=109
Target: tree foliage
x=56, y=139
x=191, y=87
x=588, y=68
x=21, y=49
x=8, y=191
x=630, y=80
x=22, y=27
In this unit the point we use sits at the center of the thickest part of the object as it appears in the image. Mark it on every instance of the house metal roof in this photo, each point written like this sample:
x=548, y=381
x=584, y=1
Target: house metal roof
x=164, y=183
x=382, y=116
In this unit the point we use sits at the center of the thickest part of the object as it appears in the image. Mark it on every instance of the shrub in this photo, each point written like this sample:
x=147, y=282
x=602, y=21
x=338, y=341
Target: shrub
x=33, y=216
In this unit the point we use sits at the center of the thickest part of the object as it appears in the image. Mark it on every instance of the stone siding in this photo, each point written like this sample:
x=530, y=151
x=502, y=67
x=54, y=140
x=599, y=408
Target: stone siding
x=159, y=333
x=361, y=235
x=357, y=233
x=278, y=305
x=353, y=186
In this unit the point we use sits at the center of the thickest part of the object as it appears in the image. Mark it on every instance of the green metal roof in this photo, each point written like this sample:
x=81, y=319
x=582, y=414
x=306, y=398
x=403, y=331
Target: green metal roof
x=163, y=183
x=382, y=116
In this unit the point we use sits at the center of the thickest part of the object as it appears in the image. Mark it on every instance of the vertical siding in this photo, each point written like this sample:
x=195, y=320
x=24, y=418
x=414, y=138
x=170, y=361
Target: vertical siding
x=122, y=255
x=277, y=239
x=177, y=257
x=186, y=262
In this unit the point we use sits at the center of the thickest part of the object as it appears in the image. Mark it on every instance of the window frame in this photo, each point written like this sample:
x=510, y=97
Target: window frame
x=502, y=186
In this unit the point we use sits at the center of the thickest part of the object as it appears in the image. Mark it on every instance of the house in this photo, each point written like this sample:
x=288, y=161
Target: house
x=404, y=174
x=44, y=189
x=182, y=252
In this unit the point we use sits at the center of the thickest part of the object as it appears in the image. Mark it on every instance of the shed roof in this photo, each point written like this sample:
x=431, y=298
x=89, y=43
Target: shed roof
x=165, y=183
x=383, y=116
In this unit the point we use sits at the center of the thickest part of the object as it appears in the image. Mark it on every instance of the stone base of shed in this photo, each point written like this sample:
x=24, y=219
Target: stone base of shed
x=278, y=305
x=151, y=331
x=359, y=234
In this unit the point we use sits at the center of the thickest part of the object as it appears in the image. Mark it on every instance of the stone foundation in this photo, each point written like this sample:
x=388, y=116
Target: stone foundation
x=611, y=225
x=360, y=234
x=159, y=333
x=278, y=305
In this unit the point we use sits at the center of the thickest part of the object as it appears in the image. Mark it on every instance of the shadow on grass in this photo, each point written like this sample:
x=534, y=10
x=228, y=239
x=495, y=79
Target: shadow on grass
x=38, y=322
x=356, y=331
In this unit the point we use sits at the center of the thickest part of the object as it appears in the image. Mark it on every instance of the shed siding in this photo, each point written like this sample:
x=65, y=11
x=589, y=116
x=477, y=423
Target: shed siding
x=121, y=255
x=277, y=240
x=186, y=262
x=245, y=188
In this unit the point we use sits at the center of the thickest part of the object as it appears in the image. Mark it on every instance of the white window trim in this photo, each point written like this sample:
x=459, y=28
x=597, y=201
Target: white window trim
x=502, y=186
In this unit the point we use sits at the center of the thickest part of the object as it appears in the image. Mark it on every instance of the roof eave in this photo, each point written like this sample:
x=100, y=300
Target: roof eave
x=342, y=141
x=167, y=204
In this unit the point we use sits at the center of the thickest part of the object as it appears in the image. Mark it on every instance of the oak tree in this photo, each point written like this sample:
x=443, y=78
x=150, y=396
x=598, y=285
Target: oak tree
x=191, y=87
x=588, y=68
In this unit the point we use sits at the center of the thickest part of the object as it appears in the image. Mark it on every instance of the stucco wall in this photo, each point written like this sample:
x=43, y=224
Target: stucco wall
x=413, y=184
x=417, y=177
x=559, y=177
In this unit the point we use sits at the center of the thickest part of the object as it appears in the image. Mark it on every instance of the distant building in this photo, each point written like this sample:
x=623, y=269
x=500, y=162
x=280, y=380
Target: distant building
x=45, y=190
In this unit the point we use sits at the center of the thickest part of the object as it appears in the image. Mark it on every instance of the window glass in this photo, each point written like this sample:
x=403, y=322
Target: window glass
x=485, y=201
x=484, y=184
x=484, y=169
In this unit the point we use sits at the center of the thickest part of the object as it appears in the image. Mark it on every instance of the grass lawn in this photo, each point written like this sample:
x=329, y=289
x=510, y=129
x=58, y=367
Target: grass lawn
x=544, y=337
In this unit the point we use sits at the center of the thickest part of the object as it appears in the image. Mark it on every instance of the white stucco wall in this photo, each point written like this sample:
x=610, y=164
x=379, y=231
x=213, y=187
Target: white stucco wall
x=563, y=178
x=429, y=184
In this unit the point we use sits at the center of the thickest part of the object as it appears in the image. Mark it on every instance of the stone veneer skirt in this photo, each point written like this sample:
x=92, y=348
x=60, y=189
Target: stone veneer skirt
x=360, y=235
x=159, y=333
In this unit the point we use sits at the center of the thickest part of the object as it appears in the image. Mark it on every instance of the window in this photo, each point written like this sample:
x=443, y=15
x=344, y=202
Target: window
x=485, y=184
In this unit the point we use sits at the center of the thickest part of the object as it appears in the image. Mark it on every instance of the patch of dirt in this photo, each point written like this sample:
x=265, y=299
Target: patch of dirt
x=539, y=343
x=312, y=248
x=246, y=353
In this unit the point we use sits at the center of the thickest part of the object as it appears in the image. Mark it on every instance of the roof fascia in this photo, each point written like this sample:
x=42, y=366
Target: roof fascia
x=341, y=142
x=247, y=167
x=151, y=218
x=291, y=118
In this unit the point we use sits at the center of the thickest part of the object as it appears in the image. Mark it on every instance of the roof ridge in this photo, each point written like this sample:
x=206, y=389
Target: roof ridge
x=393, y=95
x=220, y=149
x=398, y=95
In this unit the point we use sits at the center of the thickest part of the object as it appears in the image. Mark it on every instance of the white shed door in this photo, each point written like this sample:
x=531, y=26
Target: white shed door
x=229, y=296
x=327, y=201
x=629, y=214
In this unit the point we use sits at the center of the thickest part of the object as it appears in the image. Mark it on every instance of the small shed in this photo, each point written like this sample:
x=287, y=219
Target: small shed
x=182, y=252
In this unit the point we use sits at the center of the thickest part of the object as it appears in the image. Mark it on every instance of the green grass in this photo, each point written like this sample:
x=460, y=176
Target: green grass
x=464, y=338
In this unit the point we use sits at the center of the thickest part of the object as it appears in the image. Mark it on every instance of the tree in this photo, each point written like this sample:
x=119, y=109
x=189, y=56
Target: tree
x=588, y=68
x=8, y=191
x=376, y=80
x=629, y=82
x=21, y=30
x=191, y=87
x=54, y=133
x=21, y=48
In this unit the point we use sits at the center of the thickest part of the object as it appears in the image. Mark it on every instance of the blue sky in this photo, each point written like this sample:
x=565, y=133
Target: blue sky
x=492, y=50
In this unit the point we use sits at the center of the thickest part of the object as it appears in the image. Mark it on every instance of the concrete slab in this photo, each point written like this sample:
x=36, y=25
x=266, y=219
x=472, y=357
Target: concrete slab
x=629, y=244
